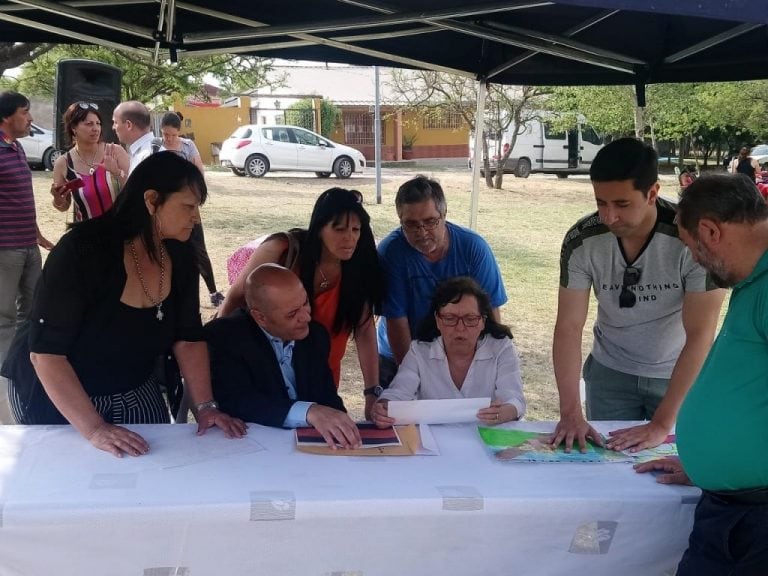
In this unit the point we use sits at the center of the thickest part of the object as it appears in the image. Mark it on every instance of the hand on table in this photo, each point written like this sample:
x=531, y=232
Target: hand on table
x=117, y=440
x=209, y=417
x=497, y=413
x=637, y=438
x=672, y=468
x=379, y=414
x=334, y=426
x=574, y=427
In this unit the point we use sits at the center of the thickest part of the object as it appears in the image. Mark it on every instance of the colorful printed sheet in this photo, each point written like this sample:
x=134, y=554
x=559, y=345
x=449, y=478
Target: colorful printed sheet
x=371, y=436
x=508, y=445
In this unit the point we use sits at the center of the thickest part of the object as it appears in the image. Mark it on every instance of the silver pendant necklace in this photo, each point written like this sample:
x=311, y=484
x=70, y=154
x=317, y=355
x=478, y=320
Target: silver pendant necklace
x=324, y=283
x=156, y=303
x=92, y=164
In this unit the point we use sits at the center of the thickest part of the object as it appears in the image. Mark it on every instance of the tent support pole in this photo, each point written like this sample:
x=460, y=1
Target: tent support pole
x=478, y=155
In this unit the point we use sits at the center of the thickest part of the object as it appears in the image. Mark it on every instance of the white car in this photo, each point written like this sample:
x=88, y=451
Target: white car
x=256, y=149
x=760, y=153
x=40, y=147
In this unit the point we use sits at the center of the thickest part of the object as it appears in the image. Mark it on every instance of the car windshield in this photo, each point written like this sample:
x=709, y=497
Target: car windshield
x=761, y=150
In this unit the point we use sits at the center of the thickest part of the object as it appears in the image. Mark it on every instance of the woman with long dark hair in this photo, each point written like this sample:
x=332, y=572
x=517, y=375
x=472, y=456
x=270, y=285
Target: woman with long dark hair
x=116, y=292
x=336, y=260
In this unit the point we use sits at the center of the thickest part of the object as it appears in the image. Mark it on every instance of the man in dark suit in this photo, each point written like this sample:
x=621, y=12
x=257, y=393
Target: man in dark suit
x=269, y=363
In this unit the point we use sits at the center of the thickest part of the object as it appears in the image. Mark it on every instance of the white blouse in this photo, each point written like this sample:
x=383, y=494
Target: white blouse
x=494, y=372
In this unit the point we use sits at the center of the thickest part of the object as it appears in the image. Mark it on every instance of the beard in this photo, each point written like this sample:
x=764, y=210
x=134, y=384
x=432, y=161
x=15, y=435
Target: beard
x=718, y=272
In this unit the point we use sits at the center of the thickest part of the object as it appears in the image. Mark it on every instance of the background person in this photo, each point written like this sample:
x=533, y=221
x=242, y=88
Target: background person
x=102, y=167
x=423, y=251
x=460, y=352
x=270, y=361
x=744, y=164
x=336, y=260
x=721, y=427
x=20, y=261
x=131, y=122
x=657, y=311
x=116, y=292
x=170, y=125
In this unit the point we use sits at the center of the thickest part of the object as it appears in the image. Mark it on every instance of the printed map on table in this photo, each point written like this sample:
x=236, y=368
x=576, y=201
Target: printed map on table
x=508, y=445
x=664, y=450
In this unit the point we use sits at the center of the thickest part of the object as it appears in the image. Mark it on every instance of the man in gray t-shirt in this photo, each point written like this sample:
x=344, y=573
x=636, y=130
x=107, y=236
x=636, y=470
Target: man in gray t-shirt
x=657, y=310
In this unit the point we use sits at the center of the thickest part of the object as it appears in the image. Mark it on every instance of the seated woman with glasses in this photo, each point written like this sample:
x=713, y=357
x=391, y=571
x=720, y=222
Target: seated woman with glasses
x=460, y=352
x=338, y=265
x=91, y=173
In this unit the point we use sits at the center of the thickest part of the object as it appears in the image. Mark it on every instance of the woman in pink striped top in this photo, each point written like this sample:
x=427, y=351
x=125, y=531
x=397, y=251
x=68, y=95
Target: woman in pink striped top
x=100, y=167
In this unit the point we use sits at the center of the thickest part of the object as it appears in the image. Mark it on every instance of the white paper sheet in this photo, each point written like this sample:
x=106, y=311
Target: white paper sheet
x=450, y=411
x=427, y=443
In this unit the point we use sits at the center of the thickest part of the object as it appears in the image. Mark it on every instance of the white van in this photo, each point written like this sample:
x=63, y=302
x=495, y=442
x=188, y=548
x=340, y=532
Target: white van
x=541, y=149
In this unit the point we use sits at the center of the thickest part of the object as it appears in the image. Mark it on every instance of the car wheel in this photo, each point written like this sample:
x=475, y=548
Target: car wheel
x=49, y=158
x=523, y=168
x=323, y=174
x=256, y=166
x=343, y=167
x=562, y=175
x=238, y=171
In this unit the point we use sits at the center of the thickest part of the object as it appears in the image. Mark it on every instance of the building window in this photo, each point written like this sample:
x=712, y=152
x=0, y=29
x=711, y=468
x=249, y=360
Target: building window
x=358, y=128
x=442, y=120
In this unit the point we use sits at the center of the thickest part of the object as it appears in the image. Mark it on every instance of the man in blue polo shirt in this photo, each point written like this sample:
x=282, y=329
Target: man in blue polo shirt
x=20, y=262
x=425, y=250
x=723, y=423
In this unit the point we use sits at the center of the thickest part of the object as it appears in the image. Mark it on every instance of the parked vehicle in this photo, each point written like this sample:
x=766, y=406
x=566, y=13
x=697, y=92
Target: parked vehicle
x=255, y=150
x=40, y=148
x=760, y=153
x=540, y=148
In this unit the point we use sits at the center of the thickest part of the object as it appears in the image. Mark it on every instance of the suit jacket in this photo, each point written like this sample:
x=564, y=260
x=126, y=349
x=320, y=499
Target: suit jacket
x=247, y=381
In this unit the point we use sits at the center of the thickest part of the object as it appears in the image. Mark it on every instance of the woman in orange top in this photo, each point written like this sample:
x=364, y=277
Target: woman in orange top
x=339, y=267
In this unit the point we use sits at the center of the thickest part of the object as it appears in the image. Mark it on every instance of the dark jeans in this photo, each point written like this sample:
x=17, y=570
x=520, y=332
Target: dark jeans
x=728, y=539
x=197, y=239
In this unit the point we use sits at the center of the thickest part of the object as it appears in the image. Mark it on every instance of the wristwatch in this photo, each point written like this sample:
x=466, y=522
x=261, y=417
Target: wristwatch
x=374, y=390
x=206, y=406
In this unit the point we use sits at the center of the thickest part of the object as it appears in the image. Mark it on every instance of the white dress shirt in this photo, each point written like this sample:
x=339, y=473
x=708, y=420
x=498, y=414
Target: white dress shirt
x=494, y=372
x=140, y=149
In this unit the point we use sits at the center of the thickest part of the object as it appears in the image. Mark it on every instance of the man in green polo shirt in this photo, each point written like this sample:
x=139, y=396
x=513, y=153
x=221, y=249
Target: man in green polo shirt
x=722, y=426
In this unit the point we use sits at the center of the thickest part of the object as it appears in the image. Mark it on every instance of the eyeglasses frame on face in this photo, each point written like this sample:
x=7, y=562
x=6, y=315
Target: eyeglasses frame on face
x=424, y=226
x=468, y=320
x=88, y=105
x=627, y=298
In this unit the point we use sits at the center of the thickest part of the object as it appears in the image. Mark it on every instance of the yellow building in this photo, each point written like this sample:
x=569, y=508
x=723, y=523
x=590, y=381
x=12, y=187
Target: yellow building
x=406, y=132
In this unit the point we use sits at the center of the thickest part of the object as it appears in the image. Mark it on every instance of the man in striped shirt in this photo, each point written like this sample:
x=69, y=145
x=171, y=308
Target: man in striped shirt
x=20, y=262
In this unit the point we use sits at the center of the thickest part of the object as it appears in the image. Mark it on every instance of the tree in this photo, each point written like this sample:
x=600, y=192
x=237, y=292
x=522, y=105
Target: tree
x=438, y=92
x=303, y=115
x=709, y=118
x=14, y=54
x=144, y=81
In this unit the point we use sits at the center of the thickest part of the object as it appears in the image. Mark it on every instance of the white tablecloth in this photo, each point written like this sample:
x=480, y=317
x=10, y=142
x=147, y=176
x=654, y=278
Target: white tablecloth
x=207, y=506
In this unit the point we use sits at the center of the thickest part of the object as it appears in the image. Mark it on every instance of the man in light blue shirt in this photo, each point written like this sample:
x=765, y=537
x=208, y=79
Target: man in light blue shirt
x=269, y=362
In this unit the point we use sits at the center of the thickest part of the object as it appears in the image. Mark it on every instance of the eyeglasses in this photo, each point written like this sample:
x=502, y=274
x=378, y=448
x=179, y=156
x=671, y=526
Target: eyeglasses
x=426, y=225
x=469, y=321
x=627, y=298
x=88, y=105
